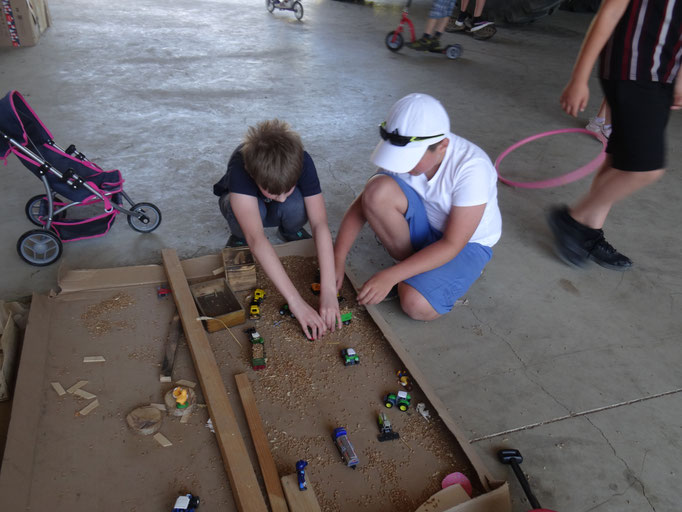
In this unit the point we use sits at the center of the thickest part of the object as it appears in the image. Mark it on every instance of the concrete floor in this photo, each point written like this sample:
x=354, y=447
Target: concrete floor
x=164, y=93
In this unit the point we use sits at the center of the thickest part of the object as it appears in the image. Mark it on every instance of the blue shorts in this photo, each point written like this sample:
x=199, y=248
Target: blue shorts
x=443, y=285
x=441, y=8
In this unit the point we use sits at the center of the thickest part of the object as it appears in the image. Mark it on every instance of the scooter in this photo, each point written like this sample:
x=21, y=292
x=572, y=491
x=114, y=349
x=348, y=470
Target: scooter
x=285, y=5
x=394, y=39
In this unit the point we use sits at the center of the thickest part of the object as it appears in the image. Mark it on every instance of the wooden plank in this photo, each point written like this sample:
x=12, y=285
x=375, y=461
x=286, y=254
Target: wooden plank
x=9, y=357
x=170, y=349
x=245, y=488
x=15, y=485
x=298, y=500
x=260, y=441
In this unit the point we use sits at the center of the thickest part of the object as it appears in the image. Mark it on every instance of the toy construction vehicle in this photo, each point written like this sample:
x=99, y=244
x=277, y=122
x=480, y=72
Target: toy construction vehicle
x=254, y=308
x=345, y=448
x=350, y=357
x=258, y=359
x=401, y=400
x=385, y=429
x=186, y=503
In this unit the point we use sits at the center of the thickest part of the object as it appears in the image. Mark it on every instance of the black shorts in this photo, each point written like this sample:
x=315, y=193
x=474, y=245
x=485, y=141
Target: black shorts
x=639, y=115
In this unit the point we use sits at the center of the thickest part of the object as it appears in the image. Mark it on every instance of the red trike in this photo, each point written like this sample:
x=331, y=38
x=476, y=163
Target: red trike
x=395, y=40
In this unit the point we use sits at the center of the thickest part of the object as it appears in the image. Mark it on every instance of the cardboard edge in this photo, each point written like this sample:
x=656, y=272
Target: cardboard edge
x=72, y=280
x=17, y=463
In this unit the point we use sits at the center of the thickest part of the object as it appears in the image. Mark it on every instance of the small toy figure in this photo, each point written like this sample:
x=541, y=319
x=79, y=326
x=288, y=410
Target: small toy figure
x=385, y=429
x=421, y=409
x=345, y=447
x=404, y=379
x=300, y=471
x=350, y=357
x=186, y=503
x=162, y=292
x=401, y=399
x=284, y=310
x=181, y=395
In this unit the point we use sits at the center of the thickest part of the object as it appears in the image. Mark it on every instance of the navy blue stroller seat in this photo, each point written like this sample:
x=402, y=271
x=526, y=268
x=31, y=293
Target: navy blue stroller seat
x=81, y=200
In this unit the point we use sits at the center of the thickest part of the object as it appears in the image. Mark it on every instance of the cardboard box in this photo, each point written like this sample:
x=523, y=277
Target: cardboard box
x=217, y=301
x=23, y=21
x=42, y=426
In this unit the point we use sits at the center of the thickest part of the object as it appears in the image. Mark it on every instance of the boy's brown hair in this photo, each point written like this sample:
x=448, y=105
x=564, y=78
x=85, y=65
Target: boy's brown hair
x=273, y=156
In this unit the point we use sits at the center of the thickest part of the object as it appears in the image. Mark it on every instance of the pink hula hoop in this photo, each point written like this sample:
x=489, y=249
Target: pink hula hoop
x=559, y=180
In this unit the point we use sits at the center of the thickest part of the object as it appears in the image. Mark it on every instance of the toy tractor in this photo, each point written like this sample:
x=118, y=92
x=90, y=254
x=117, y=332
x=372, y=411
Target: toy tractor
x=350, y=357
x=401, y=400
x=346, y=318
x=284, y=310
x=254, y=311
x=258, y=295
x=385, y=429
x=258, y=359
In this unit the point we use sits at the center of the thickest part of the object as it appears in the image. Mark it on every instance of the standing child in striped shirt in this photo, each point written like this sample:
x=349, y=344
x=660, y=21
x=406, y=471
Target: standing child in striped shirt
x=639, y=43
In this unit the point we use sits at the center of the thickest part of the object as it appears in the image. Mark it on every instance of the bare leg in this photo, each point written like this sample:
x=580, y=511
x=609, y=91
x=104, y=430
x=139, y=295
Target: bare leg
x=441, y=23
x=415, y=305
x=608, y=187
x=478, y=9
x=430, y=26
x=384, y=206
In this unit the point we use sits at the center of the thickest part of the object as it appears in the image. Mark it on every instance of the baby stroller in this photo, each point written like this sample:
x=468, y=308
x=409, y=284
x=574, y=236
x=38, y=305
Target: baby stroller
x=80, y=201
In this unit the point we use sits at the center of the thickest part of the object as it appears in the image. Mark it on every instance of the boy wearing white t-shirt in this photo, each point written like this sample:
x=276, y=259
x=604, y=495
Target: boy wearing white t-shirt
x=432, y=204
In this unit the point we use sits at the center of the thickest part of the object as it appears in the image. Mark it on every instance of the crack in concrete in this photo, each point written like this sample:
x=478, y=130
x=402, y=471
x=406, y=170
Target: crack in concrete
x=630, y=474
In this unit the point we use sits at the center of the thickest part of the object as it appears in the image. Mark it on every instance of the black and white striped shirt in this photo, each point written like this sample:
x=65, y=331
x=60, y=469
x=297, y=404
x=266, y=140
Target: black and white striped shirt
x=646, y=45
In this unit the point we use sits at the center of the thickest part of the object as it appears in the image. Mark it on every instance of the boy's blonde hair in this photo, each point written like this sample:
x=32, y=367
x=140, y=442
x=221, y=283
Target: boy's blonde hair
x=273, y=156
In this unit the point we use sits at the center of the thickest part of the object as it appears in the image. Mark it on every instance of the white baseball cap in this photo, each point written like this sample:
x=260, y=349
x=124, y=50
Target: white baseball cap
x=413, y=124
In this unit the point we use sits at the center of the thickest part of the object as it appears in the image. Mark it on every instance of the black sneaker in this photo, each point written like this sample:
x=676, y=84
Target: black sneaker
x=457, y=24
x=422, y=44
x=573, y=240
x=604, y=254
x=301, y=234
x=235, y=241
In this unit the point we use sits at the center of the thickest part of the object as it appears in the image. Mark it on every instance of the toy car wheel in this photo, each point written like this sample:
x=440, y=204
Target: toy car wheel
x=394, y=41
x=33, y=208
x=298, y=10
x=402, y=407
x=270, y=5
x=150, y=220
x=453, y=51
x=388, y=405
x=39, y=247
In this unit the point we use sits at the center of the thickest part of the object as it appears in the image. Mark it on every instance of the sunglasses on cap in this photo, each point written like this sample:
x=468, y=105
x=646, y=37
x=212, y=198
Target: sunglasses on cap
x=401, y=140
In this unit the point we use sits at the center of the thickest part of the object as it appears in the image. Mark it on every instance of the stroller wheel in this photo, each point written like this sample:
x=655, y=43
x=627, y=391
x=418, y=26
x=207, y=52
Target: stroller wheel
x=34, y=207
x=148, y=221
x=298, y=10
x=39, y=247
